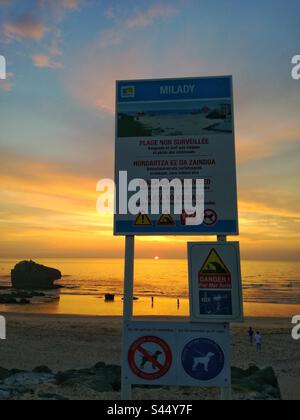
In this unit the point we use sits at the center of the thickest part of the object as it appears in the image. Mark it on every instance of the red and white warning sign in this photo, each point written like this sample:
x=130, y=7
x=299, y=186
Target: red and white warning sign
x=150, y=358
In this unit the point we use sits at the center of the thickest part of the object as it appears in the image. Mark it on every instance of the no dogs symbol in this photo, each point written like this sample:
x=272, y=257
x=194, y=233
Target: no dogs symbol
x=150, y=358
x=210, y=217
x=203, y=359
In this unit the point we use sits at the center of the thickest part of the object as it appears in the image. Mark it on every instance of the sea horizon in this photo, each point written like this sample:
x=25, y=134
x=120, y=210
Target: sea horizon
x=267, y=286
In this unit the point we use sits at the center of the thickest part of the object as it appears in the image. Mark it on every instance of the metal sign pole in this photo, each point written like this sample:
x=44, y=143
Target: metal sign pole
x=226, y=392
x=126, y=393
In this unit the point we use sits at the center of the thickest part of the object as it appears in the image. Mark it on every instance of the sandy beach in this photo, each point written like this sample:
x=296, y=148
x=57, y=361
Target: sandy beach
x=76, y=342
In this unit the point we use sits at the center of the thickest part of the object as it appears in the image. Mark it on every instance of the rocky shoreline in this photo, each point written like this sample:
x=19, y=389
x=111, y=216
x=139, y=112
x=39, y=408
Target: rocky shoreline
x=43, y=384
x=22, y=297
x=29, y=281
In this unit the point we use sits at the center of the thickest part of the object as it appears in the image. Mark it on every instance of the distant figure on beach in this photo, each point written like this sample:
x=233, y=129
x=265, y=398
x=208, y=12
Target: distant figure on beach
x=152, y=301
x=251, y=335
x=178, y=303
x=258, y=341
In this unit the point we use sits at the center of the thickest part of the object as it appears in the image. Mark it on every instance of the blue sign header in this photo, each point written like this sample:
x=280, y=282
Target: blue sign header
x=174, y=89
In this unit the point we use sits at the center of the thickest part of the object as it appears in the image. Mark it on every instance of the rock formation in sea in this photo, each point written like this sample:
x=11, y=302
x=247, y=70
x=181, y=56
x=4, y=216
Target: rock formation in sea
x=28, y=275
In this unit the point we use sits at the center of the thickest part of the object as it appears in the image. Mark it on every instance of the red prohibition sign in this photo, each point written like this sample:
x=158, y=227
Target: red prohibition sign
x=147, y=357
x=210, y=217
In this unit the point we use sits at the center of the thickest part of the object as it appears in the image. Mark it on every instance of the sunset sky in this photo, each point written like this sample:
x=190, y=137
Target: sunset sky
x=57, y=114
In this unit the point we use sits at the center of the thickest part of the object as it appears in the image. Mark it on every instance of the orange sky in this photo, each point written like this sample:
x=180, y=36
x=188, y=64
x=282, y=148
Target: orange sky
x=57, y=116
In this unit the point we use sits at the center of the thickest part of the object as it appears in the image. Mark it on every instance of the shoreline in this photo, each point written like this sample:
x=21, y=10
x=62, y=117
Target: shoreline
x=90, y=305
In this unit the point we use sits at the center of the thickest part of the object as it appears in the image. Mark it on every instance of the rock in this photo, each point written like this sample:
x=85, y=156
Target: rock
x=100, y=365
x=19, y=297
x=250, y=384
x=4, y=394
x=8, y=300
x=256, y=384
x=27, y=275
x=4, y=373
x=100, y=378
x=52, y=397
x=265, y=377
x=42, y=369
x=28, y=379
x=63, y=378
x=27, y=295
x=239, y=374
x=24, y=302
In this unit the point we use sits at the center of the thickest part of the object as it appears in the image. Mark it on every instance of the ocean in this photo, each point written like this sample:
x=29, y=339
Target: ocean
x=263, y=281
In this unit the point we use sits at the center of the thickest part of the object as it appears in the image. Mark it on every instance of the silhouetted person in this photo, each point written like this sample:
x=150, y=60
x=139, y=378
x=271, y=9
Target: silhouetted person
x=251, y=335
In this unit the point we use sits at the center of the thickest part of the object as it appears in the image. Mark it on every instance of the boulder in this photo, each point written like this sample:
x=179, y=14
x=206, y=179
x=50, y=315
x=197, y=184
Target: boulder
x=27, y=275
x=262, y=384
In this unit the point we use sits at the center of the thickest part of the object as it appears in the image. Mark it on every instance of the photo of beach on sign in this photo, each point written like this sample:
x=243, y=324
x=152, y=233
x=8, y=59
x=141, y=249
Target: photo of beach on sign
x=198, y=118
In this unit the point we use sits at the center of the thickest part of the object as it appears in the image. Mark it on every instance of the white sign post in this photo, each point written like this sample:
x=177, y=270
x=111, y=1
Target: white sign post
x=171, y=129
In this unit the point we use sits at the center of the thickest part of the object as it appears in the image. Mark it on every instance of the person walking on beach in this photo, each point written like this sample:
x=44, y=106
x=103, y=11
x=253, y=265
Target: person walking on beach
x=251, y=335
x=258, y=341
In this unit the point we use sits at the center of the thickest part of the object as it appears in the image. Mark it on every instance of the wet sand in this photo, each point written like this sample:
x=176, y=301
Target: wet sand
x=84, y=305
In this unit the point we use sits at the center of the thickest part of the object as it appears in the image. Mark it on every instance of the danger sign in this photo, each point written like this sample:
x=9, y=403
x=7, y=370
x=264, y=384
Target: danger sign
x=150, y=358
x=214, y=274
x=215, y=282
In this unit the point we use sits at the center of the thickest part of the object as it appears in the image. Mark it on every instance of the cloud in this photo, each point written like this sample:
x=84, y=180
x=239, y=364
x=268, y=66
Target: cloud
x=25, y=27
x=7, y=85
x=71, y=4
x=6, y=2
x=148, y=17
x=45, y=62
x=56, y=9
x=124, y=23
x=42, y=25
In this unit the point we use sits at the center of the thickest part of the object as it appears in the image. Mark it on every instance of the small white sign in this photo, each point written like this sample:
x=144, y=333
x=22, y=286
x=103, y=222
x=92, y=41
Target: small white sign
x=182, y=354
x=215, y=282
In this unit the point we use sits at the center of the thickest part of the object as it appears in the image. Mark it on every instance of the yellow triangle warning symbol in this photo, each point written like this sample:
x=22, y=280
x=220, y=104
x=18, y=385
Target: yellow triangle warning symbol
x=143, y=220
x=214, y=264
x=166, y=220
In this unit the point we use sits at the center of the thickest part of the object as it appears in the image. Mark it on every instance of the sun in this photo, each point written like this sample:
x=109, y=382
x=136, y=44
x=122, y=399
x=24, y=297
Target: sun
x=156, y=258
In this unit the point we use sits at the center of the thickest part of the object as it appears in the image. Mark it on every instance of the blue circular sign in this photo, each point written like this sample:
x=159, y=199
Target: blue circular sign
x=203, y=359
